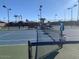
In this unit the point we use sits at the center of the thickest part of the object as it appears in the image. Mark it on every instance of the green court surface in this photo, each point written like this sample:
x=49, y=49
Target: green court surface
x=14, y=44
x=14, y=52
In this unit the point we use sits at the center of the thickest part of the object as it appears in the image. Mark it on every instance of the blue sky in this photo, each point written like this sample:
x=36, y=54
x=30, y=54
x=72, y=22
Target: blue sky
x=30, y=9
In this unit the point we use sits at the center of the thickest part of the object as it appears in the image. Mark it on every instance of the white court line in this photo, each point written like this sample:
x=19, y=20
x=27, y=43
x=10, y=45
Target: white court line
x=13, y=45
x=20, y=40
x=16, y=40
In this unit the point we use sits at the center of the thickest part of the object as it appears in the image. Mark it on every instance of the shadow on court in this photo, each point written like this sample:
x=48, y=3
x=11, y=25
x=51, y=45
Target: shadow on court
x=50, y=55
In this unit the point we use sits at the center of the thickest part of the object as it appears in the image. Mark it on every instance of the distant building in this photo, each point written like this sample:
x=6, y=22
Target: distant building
x=2, y=24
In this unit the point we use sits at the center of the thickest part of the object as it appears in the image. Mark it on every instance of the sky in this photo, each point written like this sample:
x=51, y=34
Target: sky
x=52, y=10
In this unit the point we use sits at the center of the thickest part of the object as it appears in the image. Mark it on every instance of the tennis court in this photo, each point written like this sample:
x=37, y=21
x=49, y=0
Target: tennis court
x=13, y=44
x=44, y=47
x=17, y=35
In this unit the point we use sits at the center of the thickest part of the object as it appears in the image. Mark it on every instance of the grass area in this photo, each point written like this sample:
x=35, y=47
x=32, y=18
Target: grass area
x=14, y=52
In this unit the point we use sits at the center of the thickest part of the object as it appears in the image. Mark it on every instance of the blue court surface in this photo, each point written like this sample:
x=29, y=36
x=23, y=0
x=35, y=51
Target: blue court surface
x=14, y=43
x=17, y=37
x=23, y=36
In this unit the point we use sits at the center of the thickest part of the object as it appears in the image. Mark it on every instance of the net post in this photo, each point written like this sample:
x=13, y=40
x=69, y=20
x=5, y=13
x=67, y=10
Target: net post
x=36, y=46
x=29, y=50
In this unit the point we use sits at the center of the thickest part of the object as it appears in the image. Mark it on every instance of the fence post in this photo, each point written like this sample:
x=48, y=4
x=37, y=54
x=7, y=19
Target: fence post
x=29, y=50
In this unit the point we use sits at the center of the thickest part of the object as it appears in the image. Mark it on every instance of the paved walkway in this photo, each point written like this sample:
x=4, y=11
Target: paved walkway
x=70, y=51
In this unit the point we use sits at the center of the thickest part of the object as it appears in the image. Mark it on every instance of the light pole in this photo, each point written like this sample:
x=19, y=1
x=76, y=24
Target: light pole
x=41, y=18
x=20, y=17
x=40, y=9
x=38, y=16
x=78, y=12
x=55, y=17
x=8, y=10
x=71, y=9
